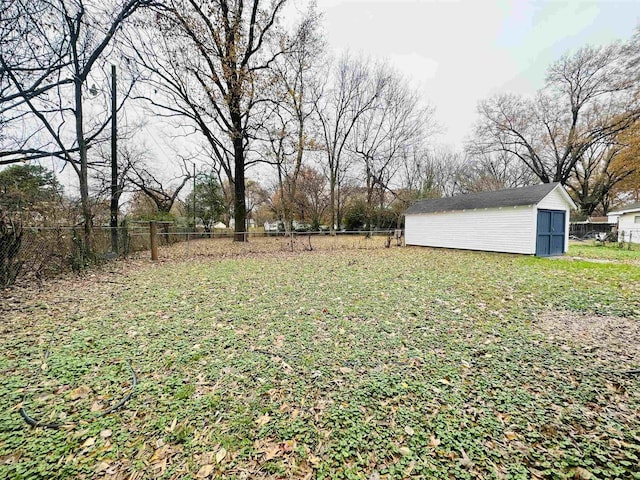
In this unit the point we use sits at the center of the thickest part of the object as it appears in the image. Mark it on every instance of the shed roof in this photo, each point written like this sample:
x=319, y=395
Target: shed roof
x=501, y=198
x=597, y=219
x=634, y=207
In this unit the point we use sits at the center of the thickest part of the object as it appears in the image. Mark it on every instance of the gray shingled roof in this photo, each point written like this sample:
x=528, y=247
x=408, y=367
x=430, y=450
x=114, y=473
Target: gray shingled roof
x=629, y=208
x=502, y=198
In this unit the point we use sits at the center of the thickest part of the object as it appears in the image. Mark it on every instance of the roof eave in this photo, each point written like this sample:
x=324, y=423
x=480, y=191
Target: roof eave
x=622, y=212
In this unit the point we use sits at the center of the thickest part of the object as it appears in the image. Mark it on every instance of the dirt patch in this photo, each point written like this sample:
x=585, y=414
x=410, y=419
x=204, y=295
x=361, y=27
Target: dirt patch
x=612, y=339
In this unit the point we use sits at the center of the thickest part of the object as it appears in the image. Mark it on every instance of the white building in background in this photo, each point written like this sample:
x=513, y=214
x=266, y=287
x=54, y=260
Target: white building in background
x=530, y=220
x=628, y=220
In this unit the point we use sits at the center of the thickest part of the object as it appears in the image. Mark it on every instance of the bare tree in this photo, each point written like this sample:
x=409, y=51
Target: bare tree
x=129, y=156
x=484, y=171
x=590, y=97
x=431, y=173
x=311, y=200
x=287, y=129
x=52, y=52
x=353, y=90
x=396, y=123
x=207, y=61
x=162, y=194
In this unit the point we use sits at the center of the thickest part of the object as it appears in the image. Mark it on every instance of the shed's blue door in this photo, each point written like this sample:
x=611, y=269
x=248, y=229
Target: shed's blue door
x=550, y=239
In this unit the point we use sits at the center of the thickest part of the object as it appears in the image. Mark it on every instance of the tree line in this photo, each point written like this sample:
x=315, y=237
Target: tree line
x=347, y=141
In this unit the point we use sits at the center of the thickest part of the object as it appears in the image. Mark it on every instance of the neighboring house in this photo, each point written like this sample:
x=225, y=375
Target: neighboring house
x=628, y=220
x=529, y=220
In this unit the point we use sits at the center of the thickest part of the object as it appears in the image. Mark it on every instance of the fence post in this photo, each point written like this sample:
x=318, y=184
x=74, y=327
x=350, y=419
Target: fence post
x=153, y=240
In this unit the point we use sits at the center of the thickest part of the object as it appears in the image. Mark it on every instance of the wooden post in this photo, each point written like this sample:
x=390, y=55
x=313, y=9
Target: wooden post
x=153, y=240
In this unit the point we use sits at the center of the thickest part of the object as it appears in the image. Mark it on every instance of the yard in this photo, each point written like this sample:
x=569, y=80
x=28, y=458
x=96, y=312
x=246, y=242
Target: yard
x=359, y=362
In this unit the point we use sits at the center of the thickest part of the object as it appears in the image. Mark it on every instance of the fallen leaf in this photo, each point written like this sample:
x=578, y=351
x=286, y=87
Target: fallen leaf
x=433, y=441
x=221, y=454
x=205, y=471
x=89, y=442
x=263, y=419
x=404, y=451
x=408, y=430
x=106, y=433
x=272, y=452
x=510, y=435
x=160, y=453
x=101, y=467
x=173, y=425
x=82, y=391
x=465, y=461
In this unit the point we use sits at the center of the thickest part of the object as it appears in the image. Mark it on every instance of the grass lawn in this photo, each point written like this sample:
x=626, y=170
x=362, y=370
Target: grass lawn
x=591, y=250
x=359, y=363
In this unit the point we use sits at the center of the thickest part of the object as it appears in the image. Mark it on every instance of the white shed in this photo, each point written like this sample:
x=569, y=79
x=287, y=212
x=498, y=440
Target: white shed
x=628, y=219
x=529, y=220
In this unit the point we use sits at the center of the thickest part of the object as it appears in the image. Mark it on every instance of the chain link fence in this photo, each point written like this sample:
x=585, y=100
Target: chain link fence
x=220, y=243
x=588, y=230
x=34, y=253
x=630, y=236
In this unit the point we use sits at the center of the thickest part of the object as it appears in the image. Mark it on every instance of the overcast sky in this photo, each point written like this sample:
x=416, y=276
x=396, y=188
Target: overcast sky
x=456, y=51
x=461, y=51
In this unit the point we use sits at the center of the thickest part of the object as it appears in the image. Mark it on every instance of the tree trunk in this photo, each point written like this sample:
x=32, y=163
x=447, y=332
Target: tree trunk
x=84, y=176
x=370, y=183
x=339, y=206
x=332, y=203
x=239, y=205
x=293, y=183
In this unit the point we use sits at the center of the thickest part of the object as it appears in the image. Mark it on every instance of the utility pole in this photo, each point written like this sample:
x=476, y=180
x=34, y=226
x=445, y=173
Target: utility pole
x=115, y=194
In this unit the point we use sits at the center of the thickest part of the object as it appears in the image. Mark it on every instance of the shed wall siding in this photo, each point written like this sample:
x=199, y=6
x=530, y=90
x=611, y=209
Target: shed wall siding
x=626, y=224
x=507, y=229
x=553, y=201
x=556, y=201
